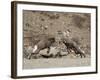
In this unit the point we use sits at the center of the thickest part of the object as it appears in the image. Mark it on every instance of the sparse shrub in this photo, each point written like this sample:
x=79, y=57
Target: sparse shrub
x=81, y=21
x=78, y=21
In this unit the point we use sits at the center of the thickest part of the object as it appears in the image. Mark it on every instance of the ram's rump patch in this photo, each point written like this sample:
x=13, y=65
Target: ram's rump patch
x=35, y=48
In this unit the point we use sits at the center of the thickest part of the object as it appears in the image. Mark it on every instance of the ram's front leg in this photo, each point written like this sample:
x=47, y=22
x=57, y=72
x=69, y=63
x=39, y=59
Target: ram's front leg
x=48, y=50
x=29, y=56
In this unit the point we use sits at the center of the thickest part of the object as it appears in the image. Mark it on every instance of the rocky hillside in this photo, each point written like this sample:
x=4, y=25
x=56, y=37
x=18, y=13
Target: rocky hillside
x=39, y=24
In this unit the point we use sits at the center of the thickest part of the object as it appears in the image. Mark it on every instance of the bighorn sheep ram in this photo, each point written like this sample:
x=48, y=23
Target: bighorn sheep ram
x=42, y=44
x=71, y=45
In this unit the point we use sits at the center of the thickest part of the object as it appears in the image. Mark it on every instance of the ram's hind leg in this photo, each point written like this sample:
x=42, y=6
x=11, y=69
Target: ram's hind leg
x=81, y=53
x=34, y=52
x=78, y=51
